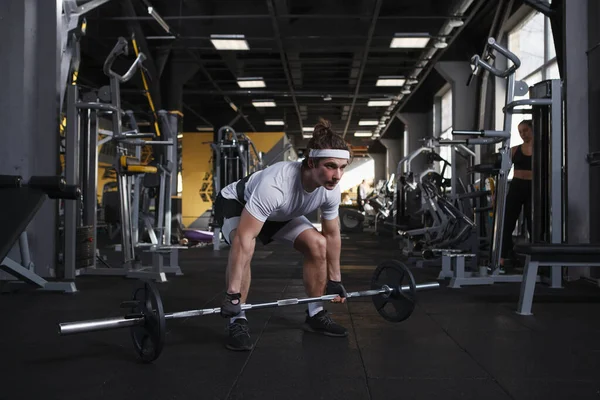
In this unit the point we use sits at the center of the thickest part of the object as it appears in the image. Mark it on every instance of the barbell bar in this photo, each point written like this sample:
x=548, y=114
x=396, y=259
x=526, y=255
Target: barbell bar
x=71, y=328
x=393, y=300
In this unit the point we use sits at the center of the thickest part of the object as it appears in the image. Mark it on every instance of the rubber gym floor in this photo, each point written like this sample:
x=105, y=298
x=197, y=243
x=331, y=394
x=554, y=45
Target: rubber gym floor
x=458, y=344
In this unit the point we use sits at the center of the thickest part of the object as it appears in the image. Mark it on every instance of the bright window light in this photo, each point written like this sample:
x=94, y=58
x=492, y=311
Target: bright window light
x=363, y=133
x=251, y=82
x=368, y=122
x=409, y=41
x=379, y=103
x=274, y=122
x=229, y=42
x=390, y=81
x=264, y=103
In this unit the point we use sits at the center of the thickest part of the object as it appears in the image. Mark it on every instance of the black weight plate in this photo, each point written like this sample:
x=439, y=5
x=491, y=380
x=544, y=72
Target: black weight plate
x=400, y=304
x=149, y=338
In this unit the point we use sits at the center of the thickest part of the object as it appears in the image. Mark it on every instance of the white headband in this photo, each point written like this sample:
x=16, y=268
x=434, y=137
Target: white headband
x=334, y=153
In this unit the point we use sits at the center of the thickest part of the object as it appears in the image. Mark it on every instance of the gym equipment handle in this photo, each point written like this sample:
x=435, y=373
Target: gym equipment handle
x=121, y=48
x=593, y=159
x=482, y=133
x=477, y=61
x=71, y=328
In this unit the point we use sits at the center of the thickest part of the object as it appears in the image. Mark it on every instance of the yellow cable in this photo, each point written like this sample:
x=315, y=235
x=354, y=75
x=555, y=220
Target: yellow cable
x=146, y=88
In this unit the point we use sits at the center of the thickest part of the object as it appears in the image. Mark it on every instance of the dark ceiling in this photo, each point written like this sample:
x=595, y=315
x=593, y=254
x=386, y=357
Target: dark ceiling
x=318, y=58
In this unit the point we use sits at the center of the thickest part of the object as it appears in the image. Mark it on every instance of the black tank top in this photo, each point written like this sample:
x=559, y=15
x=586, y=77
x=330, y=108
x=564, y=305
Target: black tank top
x=521, y=161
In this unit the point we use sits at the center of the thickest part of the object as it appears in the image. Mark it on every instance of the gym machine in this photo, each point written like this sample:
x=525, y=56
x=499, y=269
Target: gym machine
x=82, y=130
x=444, y=220
x=490, y=274
x=549, y=253
x=73, y=27
x=234, y=157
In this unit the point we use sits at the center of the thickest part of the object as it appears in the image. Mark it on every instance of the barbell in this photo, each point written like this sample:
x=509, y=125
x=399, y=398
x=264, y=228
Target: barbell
x=393, y=291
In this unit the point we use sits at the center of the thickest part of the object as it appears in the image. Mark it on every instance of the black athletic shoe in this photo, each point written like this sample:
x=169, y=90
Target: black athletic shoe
x=239, y=336
x=322, y=323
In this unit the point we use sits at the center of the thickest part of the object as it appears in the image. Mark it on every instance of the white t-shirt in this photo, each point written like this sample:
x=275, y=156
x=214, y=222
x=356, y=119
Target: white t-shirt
x=276, y=193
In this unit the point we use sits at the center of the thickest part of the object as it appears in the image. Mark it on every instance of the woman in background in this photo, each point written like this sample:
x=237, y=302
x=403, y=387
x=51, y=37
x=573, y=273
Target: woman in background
x=519, y=192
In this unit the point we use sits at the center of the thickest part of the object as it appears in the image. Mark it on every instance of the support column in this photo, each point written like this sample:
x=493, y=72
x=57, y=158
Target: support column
x=393, y=155
x=464, y=105
x=418, y=127
x=593, y=65
x=377, y=151
x=576, y=120
x=29, y=108
x=174, y=76
x=394, y=146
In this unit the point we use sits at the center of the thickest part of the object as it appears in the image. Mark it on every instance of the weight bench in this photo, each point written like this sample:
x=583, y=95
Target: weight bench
x=20, y=202
x=553, y=255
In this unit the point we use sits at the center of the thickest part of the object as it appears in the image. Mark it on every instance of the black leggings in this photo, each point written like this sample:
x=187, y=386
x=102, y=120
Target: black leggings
x=519, y=195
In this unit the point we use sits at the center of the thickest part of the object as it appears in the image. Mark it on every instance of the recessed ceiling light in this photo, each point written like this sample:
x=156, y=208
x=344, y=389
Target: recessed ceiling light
x=251, y=82
x=264, y=103
x=390, y=81
x=379, y=103
x=368, y=122
x=410, y=40
x=307, y=129
x=229, y=42
x=363, y=134
x=274, y=122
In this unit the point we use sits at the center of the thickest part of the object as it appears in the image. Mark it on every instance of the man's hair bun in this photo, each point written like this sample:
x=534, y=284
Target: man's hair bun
x=323, y=127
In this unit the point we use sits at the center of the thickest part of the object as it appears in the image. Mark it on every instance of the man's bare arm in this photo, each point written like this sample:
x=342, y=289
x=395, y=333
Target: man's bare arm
x=242, y=249
x=331, y=231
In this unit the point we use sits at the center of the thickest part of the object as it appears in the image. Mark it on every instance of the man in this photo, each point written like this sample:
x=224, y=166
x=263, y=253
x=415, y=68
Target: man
x=271, y=205
x=362, y=195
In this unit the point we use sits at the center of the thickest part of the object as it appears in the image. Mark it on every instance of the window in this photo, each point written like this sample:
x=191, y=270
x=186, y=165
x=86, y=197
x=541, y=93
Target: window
x=524, y=40
x=446, y=129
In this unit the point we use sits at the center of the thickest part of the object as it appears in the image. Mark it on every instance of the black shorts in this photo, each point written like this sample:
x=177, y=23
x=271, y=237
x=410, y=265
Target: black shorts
x=228, y=209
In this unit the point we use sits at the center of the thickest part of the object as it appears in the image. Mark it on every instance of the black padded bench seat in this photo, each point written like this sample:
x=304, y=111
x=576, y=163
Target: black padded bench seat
x=19, y=206
x=554, y=255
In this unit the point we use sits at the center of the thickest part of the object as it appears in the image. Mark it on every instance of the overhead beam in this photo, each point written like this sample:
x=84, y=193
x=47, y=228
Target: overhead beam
x=363, y=63
x=281, y=16
x=541, y=6
x=279, y=93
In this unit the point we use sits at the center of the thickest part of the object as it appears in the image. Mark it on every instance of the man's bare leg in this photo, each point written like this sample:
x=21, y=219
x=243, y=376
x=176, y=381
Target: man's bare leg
x=314, y=248
x=313, y=245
